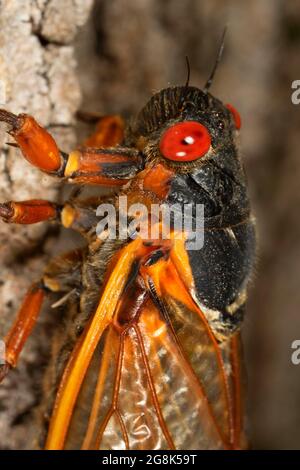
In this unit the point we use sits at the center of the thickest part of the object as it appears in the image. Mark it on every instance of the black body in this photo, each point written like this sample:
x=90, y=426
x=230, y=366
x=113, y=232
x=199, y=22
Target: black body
x=223, y=267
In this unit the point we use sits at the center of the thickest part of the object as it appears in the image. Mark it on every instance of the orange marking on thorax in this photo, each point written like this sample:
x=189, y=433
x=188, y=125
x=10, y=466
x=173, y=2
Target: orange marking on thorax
x=157, y=180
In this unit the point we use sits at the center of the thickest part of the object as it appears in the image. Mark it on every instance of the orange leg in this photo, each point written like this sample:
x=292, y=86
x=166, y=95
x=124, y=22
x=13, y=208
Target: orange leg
x=108, y=133
x=113, y=166
x=37, y=145
x=101, y=166
x=24, y=323
x=61, y=275
x=77, y=215
x=28, y=212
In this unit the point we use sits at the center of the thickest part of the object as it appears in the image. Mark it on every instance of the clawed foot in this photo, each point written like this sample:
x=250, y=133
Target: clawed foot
x=6, y=211
x=14, y=120
x=4, y=369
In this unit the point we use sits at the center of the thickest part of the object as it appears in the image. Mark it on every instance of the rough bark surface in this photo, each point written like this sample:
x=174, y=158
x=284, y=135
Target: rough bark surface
x=37, y=76
x=128, y=50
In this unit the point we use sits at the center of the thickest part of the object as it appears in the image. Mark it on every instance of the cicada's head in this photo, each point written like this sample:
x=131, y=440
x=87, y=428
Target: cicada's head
x=184, y=127
x=187, y=139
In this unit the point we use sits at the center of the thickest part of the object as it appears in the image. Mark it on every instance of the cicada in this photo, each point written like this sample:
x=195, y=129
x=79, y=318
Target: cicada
x=153, y=358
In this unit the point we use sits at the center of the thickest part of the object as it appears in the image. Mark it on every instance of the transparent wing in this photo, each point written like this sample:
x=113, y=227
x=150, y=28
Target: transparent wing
x=157, y=378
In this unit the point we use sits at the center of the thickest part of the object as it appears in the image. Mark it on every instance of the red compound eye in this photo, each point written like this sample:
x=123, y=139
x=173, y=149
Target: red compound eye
x=185, y=141
x=236, y=116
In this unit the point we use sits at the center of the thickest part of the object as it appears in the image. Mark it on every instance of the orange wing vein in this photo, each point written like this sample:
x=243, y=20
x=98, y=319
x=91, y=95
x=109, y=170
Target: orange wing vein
x=148, y=372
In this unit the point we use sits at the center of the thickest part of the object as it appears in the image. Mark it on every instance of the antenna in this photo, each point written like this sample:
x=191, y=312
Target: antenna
x=218, y=59
x=188, y=71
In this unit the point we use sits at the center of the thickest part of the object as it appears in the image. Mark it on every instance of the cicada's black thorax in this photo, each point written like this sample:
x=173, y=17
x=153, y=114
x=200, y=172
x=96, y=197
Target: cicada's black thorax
x=223, y=266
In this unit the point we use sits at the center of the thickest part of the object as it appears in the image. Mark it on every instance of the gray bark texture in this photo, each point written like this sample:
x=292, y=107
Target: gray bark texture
x=126, y=51
x=38, y=76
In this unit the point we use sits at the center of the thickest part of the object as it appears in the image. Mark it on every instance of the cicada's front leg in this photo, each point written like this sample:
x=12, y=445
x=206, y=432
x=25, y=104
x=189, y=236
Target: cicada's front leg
x=79, y=215
x=37, y=145
x=101, y=166
x=62, y=275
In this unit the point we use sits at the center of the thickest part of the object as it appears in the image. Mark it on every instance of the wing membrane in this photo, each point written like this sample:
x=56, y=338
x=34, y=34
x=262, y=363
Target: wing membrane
x=181, y=398
x=157, y=378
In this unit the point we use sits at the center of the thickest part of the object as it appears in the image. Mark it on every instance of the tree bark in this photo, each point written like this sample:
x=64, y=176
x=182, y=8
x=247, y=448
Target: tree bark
x=37, y=76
